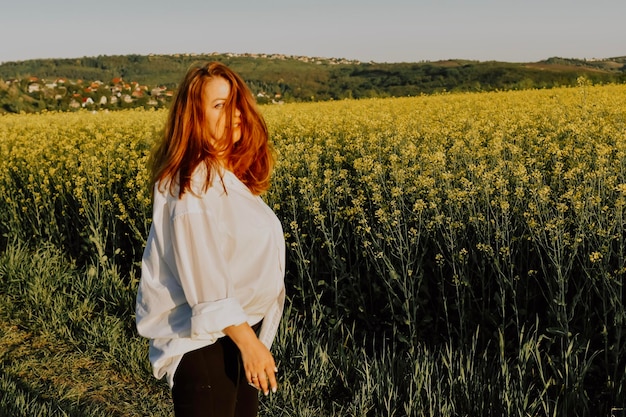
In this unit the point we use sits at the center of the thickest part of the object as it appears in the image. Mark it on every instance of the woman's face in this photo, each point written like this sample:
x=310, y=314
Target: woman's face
x=216, y=93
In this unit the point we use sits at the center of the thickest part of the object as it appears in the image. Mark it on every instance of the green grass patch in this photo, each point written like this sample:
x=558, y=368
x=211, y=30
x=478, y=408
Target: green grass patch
x=62, y=350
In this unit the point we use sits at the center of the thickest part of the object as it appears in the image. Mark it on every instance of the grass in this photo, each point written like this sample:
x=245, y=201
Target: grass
x=62, y=358
x=65, y=350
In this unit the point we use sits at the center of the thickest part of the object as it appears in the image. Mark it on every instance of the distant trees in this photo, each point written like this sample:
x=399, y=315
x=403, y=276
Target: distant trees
x=273, y=79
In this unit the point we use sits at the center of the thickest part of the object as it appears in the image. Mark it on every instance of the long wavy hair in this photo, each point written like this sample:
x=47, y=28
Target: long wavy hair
x=186, y=142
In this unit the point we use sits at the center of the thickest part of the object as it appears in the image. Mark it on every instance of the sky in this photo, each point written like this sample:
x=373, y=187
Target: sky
x=364, y=30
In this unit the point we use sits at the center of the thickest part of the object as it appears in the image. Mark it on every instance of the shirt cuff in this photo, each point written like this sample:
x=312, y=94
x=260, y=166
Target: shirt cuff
x=210, y=318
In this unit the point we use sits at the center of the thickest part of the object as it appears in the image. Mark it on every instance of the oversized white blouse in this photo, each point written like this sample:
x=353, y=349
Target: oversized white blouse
x=212, y=260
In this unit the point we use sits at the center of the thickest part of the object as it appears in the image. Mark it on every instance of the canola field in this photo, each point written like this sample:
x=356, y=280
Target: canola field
x=455, y=254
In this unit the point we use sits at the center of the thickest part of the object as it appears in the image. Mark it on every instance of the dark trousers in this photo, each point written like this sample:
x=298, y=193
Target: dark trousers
x=210, y=382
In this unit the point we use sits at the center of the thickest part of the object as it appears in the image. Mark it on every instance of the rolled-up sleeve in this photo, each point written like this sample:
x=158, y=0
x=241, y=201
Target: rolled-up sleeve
x=198, y=244
x=208, y=317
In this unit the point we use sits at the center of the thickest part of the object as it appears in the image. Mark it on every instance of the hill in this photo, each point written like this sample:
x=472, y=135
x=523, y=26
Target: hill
x=148, y=80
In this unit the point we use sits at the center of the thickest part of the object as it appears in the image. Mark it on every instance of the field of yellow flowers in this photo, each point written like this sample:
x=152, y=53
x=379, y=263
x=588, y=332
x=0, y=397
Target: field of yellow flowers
x=455, y=254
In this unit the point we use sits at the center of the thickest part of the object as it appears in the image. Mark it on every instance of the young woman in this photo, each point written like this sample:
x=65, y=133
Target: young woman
x=211, y=292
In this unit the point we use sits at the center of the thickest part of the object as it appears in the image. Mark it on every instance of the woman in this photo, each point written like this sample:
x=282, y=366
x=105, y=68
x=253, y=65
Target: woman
x=211, y=292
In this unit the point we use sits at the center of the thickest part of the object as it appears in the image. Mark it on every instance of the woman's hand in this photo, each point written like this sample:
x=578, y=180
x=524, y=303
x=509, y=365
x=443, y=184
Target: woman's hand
x=258, y=362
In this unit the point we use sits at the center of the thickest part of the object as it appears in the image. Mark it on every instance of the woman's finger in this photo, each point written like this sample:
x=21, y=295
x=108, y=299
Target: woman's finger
x=271, y=376
x=253, y=381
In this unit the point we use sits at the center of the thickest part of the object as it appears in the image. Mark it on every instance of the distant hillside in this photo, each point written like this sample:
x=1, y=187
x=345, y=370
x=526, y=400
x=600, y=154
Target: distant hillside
x=148, y=80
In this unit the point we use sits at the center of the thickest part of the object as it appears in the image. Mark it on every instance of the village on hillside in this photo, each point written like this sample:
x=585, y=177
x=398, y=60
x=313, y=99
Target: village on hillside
x=64, y=94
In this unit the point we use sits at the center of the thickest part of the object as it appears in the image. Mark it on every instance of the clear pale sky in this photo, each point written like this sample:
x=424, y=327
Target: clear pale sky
x=366, y=30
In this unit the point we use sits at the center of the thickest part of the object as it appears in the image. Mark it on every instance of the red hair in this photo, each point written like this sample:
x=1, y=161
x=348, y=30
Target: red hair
x=186, y=139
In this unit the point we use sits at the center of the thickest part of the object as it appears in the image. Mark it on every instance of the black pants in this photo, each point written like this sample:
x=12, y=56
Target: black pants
x=211, y=382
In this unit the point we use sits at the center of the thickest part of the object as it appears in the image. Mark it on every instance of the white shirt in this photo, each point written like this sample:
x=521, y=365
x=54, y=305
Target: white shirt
x=212, y=260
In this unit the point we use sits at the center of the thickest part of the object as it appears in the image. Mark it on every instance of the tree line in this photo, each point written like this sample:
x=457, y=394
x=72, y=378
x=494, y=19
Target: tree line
x=148, y=80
